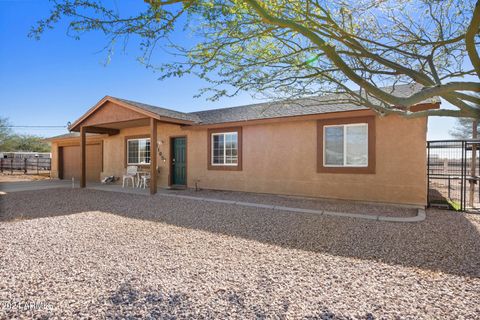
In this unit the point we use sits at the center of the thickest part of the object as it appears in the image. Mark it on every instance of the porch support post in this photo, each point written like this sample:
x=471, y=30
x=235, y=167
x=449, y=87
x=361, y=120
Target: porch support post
x=153, y=156
x=83, y=162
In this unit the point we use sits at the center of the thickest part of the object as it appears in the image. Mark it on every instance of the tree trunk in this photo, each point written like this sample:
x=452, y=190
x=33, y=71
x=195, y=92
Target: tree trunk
x=473, y=165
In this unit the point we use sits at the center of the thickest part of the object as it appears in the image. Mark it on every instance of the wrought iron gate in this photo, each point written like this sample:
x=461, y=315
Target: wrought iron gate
x=453, y=174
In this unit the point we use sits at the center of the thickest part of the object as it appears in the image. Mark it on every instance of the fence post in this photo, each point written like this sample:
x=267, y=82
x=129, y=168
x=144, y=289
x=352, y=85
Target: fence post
x=37, y=165
x=428, y=173
x=25, y=166
x=449, y=197
x=11, y=165
x=464, y=172
x=1, y=165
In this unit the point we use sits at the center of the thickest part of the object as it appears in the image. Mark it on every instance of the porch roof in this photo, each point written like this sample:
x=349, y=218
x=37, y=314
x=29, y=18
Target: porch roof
x=112, y=112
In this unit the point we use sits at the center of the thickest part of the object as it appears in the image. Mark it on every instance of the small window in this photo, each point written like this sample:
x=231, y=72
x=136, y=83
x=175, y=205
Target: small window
x=345, y=145
x=138, y=151
x=224, y=149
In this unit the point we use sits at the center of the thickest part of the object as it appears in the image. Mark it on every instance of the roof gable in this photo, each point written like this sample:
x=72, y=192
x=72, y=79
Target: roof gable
x=111, y=109
x=110, y=112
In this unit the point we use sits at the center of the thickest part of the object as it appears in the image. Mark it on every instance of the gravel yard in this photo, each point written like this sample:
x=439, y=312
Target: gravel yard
x=89, y=253
x=302, y=202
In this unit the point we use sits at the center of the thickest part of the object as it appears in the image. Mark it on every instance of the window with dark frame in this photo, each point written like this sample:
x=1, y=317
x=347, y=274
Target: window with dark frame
x=138, y=151
x=346, y=145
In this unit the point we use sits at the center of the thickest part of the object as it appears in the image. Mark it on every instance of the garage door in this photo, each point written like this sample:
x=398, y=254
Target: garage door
x=71, y=162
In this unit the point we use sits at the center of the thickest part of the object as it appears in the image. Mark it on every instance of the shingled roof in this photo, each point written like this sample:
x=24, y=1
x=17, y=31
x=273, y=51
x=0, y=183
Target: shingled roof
x=163, y=112
x=276, y=109
x=297, y=107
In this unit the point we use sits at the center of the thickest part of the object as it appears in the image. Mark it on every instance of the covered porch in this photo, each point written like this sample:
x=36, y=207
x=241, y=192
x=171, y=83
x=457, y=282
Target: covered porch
x=110, y=116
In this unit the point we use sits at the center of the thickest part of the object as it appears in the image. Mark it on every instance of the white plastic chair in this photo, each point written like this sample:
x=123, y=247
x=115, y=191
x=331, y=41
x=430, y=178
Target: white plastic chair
x=144, y=179
x=130, y=175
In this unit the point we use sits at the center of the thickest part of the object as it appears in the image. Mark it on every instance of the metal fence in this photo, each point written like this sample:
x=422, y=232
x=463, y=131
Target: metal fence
x=25, y=165
x=453, y=174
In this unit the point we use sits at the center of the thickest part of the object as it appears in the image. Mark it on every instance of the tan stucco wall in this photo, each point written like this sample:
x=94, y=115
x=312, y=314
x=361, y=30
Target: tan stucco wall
x=54, y=169
x=281, y=158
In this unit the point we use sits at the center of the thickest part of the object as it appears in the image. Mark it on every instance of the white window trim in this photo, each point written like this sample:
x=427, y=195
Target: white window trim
x=138, y=164
x=344, y=146
x=224, y=149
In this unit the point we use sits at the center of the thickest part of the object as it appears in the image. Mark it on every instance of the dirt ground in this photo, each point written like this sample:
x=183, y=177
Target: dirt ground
x=18, y=176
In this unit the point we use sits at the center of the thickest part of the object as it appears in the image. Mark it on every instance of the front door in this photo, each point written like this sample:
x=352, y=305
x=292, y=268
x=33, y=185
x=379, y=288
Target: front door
x=179, y=159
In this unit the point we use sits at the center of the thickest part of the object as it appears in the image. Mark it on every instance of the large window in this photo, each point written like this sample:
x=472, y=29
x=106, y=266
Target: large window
x=224, y=149
x=346, y=145
x=138, y=151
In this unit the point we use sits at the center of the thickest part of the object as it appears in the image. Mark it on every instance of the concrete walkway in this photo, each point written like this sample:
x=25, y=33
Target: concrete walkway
x=49, y=184
x=34, y=185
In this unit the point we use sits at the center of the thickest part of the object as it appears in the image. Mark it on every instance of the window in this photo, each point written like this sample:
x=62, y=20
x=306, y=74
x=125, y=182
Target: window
x=138, y=151
x=346, y=145
x=225, y=148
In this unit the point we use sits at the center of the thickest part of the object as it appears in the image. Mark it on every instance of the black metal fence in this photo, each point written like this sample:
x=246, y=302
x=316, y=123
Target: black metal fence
x=453, y=174
x=26, y=165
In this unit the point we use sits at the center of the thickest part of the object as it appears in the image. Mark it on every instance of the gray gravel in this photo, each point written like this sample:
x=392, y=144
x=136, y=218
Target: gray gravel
x=88, y=253
x=302, y=202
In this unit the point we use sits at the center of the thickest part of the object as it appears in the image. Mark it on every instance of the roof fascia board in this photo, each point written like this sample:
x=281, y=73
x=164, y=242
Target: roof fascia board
x=66, y=139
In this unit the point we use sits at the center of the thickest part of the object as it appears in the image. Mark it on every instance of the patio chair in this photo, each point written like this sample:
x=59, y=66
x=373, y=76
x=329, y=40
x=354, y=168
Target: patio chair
x=144, y=179
x=130, y=175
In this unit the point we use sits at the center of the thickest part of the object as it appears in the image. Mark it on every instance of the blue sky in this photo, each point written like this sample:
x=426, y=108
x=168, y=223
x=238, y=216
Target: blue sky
x=55, y=80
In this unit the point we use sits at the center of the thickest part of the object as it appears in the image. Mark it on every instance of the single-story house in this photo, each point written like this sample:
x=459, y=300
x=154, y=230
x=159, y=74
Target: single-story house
x=317, y=147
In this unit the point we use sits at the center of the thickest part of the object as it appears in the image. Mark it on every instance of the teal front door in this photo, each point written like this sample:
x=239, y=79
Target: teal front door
x=179, y=161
